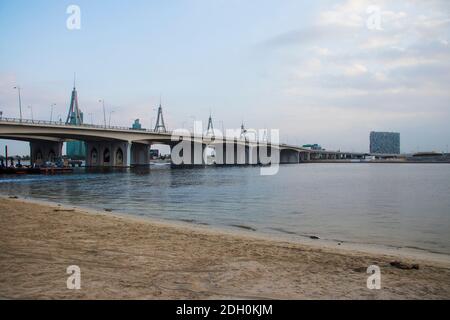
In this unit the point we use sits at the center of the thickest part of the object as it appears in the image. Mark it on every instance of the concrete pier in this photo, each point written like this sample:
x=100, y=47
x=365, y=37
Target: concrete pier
x=108, y=154
x=43, y=151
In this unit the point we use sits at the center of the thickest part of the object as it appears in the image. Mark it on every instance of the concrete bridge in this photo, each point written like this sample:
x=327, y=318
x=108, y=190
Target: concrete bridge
x=123, y=147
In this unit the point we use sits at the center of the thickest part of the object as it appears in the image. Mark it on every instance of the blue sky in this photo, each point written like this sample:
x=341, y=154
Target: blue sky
x=311, y=69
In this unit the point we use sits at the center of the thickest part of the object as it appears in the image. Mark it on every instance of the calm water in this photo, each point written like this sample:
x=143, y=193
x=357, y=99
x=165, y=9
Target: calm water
x=389, y=204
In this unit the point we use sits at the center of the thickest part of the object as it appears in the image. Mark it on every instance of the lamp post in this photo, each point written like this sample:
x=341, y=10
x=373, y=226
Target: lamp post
x=151, y=120
x=194, y=119
x=20, y=102
x=109, y=120
x=223, y=127
x=51, y=111
x=31, y=111
x=104, y=112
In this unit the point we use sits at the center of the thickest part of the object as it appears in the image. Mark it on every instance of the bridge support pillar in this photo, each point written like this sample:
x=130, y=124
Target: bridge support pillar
x=254, y=152
x=239, y=149
x=140, y=154
x=43, y=151
x=229, y=154
x=108, y=154
x=289, y=156
x=197, y=154
x=247, y=154
x=128, y=162
x=220, y=153
x=187, y=153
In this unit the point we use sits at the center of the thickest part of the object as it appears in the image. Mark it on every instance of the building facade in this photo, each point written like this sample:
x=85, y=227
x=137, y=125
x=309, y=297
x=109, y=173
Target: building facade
x=385, y=142
x=136, y=125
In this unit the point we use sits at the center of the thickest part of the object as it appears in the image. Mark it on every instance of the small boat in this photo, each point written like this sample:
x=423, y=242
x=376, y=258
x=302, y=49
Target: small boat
x=23, y=170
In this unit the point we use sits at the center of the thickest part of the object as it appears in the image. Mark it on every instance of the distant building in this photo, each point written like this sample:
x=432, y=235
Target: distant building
x=136, y=125
x=314, y=146
x=154, y=153
x=385, y=142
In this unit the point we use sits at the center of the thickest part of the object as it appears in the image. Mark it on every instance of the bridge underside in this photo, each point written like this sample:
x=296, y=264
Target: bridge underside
x=116, y=154
x=106, y=153
x=43, y=151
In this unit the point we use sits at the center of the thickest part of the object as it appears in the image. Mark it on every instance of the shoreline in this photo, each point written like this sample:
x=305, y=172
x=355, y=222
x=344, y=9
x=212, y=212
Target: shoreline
x=126, y=255
x=420, y=254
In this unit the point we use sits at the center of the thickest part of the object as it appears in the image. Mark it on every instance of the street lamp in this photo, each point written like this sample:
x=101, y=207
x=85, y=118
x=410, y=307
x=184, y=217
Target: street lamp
x=223, y=127
x=193, y=124
x=104, y=112
x=51, y=112
x=109, y=120
x=151, y=120
x=20, y=102
x=31, y=111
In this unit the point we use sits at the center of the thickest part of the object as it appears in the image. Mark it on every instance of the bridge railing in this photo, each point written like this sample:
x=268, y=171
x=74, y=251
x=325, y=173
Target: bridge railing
x=95, y=126
x=63, y=124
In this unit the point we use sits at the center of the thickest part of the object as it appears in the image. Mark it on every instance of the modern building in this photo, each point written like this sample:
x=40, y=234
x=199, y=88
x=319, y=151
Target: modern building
x=136, y=125
x=75, y=150
x=385, y=142
x=314, y=146
x=154, y=153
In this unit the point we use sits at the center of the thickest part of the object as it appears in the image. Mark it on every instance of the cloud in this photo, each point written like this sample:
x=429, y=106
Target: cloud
x=398, y=75
x=347, y=14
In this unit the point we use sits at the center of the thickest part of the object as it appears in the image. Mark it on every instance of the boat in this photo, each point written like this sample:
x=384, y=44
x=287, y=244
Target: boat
x=23, y=170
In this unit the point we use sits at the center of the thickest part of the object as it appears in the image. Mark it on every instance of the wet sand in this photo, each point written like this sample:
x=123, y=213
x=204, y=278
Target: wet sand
x=129, y=258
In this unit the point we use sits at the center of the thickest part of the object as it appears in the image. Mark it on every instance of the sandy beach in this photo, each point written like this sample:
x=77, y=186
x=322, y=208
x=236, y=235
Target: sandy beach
x=129, y=258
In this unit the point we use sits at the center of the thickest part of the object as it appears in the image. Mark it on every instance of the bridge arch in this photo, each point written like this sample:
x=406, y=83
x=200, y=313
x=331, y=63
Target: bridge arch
x=119, y=157
x=39, y=158
x=106, y=156
x=94, y=156
x=51, y=156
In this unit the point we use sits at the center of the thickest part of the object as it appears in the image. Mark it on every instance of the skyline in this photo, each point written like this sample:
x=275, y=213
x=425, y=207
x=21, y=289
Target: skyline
x=316, y=72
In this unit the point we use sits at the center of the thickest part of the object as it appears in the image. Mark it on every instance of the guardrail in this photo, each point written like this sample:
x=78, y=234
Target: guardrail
x=63, y=124
x=95, y=126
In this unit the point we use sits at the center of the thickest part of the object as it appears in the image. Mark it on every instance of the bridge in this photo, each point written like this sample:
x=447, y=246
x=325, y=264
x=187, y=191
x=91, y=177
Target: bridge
x=112, y=146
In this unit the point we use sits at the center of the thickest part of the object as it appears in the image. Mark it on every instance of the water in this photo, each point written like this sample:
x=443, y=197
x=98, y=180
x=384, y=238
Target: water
x=401, y=205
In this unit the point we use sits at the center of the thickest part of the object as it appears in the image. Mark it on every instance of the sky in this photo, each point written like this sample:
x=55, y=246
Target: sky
x=326, y=72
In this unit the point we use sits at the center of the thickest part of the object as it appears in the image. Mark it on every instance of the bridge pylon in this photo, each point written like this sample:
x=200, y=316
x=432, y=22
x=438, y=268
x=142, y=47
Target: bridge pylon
x=160, y=126
x=210, y=130
x=75, y=149
x=75, y=116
